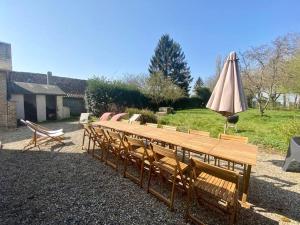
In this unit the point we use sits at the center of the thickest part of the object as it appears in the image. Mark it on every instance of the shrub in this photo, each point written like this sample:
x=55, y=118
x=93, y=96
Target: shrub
x=115, y=96
x=188, y=103
x=147, y=116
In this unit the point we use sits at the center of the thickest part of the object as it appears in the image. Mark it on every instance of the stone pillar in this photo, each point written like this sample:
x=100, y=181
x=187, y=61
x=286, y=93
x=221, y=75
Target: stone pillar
x=41, y=108
x=11, y=115
x=3, y=99
x=8, y=114
x=59, y=107
x=19, y=99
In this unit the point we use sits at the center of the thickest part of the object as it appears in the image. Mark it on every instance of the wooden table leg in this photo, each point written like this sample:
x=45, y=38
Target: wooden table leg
x=246, y=180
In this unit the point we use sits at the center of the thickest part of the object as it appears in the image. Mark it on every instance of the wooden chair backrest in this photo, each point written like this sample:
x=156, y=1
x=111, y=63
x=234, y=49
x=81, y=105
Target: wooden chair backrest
x=95, y=131
x=114, y=137
x=199, y=166
x=134, y=142
x=105, y=135
x=152, y=124
x=199, y=132
x=169, y=127
x=234, y=138
x=159, y=152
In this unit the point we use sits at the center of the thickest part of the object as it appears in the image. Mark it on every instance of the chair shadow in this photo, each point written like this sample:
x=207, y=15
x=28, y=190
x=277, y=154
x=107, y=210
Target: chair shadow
x=293, y=167
x=268, y=196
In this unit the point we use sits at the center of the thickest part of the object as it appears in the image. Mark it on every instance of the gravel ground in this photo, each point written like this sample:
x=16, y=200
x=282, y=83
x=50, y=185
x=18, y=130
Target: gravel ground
x=64, y=185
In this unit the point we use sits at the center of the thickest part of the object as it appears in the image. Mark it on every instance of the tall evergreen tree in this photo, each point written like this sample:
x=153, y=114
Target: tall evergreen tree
x=198, y=85
x=169, y=59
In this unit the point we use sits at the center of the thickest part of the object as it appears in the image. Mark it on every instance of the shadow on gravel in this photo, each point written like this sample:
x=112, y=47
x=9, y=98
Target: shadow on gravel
x=294, y=166
x=268, y=193
x=52, y=187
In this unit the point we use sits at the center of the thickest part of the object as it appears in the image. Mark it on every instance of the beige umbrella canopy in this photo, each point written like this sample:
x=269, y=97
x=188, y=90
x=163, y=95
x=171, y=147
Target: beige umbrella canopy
x=228, y=96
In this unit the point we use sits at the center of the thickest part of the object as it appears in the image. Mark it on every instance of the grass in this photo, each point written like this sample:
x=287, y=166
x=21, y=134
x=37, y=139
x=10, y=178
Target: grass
x=272, y=131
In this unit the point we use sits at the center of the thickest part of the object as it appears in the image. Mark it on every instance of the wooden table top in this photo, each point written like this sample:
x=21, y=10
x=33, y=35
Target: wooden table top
x=228, y=150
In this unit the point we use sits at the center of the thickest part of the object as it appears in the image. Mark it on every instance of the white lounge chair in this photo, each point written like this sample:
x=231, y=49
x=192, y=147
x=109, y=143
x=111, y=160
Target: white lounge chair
x=84, y=118
x=42, y=135
x=134, y=117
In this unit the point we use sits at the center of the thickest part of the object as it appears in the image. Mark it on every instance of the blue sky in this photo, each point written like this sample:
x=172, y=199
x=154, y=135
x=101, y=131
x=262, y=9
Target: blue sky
x=113, y=38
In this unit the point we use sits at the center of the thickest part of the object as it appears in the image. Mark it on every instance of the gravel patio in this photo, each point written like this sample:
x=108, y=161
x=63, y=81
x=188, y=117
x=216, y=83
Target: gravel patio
x=64, y=185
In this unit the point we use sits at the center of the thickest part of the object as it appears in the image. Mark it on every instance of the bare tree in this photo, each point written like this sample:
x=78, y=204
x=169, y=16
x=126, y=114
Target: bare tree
x=212, y=80
x=137, y=80
x=264, y=70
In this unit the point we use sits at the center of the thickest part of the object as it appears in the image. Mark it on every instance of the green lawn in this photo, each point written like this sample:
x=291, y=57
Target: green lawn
x=271, y=130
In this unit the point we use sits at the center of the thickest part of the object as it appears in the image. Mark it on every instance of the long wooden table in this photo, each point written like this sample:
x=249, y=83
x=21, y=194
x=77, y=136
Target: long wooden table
x=228, y=150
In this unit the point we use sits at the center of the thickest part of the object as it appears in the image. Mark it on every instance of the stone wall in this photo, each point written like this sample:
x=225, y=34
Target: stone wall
x=8, y=114
x=19, y=99
x=76, y=105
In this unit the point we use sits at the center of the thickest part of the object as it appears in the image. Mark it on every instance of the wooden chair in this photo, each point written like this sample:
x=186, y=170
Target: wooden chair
x=116, y=148
x=199, y=132
x=167, y=166
x=152, y=125
x=87, y=133
x=99, y=138
x=42, y=135
x=240, y=139
x=213, y=186
x=234, y=138
x=169, y=127
x=138, y=154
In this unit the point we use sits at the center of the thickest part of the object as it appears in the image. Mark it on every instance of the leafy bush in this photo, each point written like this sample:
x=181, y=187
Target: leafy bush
x=147, y=116
x=188, y=103
x=115, y=96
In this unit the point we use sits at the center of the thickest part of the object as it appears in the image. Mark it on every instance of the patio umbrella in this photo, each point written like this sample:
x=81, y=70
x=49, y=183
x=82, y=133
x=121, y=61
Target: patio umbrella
x=228, y=96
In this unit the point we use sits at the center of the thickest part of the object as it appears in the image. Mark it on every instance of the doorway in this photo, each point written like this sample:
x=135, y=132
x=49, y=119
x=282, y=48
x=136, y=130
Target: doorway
x=30, y=108
x=51, y=107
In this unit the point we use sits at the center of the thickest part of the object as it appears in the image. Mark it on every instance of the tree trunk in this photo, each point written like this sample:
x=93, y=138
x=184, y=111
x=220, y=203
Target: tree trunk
x=295, y=101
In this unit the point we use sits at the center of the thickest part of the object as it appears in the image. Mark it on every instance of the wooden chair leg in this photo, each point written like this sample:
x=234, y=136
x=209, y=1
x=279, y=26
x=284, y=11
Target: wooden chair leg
x=173, y=193
x=149, y=178
x=82, y=146
x=142, y=174
x=125, y=166
x=88, y=150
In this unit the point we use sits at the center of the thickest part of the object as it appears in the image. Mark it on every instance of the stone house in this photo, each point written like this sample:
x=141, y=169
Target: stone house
x=36, y=96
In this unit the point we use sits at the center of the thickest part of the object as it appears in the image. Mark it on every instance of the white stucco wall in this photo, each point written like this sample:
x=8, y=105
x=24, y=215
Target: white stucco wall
x=66, y=112
x=19, y=99
x=41, y=107
x=59, y=108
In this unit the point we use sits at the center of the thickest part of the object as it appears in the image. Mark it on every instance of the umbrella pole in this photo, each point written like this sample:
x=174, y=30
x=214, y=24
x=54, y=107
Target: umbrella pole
x=225, y=125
